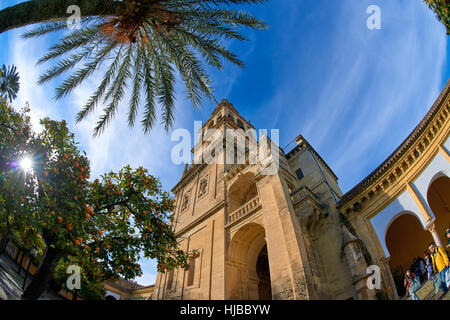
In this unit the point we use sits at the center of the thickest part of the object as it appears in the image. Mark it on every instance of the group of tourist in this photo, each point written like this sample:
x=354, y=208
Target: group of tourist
x=435, y=266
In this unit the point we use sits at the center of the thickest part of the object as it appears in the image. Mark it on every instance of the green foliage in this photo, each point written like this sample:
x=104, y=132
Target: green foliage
x=442, y=10
x=111, y=220
x=104, y=226
x=17, y=141
x=141, y=48
x=91, y=288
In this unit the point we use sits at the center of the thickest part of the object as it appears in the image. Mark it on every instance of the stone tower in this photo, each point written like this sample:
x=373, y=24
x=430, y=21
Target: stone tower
x=259, y=236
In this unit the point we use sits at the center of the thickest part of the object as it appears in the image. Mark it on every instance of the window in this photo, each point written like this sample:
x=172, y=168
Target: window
x=203, y=188
x=191, y=272
x=170, y=280
x=185, y=202
x=299, y=173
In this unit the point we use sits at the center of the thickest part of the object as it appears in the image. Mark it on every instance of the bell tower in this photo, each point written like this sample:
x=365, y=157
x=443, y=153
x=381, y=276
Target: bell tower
x=259, y=235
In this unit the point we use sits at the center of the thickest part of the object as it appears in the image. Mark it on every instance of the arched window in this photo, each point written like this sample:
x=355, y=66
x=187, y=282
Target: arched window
x=185, y=202
x=203, y=186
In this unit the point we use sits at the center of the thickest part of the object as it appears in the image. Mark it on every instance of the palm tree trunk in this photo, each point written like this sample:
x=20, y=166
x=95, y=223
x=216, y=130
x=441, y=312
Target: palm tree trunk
x=43, y=275
x=35, y=11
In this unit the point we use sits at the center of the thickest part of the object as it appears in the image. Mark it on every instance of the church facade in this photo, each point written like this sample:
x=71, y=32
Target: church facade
x=292, y=234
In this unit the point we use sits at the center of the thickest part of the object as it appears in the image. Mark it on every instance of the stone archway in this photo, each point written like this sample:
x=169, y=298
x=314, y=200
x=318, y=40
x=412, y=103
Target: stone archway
x=438, y=197
x=242, y=191
x=406, y=239
x=263, y=272
x=247, y=269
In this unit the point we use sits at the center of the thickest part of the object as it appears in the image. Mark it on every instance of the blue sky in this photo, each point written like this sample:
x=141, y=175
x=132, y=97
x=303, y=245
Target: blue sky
x=354, y=93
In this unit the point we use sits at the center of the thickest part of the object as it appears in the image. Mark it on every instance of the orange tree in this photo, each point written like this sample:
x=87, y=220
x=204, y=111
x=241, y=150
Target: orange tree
x=104, y=226
x=16, y=186
x=92, y=287
x=442, y=10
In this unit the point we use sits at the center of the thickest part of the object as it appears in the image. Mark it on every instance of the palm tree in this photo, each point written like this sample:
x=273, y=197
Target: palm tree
x=442, y=10
x=9, y=82
x=140, y=44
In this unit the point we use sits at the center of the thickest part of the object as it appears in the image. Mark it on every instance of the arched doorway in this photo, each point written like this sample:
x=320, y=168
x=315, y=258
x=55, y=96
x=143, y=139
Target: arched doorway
x=438, y=197
x=247, y=270
x=406, y=239
x=242, y=191
x=263, y=272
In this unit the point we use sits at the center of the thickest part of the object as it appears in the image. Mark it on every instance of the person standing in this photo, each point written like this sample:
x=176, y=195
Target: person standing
x=415, y=268
x=429, y=266
x=412, y=284
x=440, y=264
x=422, y=268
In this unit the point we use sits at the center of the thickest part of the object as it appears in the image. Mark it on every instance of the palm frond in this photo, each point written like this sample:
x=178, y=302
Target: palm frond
x=115, y=93
x=9, y=82
x=162, y=37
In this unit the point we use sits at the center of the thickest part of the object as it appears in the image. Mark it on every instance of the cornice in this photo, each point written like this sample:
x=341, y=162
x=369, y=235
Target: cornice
x=406, y=154
x=189, y=176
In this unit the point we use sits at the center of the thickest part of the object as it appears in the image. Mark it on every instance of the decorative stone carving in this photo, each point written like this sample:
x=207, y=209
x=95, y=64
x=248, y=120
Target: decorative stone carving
x=357, y=265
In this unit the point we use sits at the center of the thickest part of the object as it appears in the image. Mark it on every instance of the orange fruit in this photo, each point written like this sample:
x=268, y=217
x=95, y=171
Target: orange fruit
x=88, y=216
x=60, y=219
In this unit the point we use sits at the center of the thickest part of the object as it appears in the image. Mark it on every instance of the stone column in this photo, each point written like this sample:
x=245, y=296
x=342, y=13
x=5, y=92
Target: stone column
x=289, y=269
x=432, y=228
x=388, y=278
